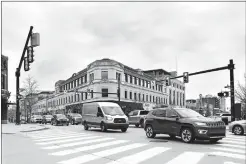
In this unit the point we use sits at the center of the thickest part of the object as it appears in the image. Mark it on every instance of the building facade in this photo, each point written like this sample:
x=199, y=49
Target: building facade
x=5, y=94
x=99, y=82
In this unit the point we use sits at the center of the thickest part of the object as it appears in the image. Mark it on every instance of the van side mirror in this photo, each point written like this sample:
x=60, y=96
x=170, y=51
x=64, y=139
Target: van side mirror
x=99, y=114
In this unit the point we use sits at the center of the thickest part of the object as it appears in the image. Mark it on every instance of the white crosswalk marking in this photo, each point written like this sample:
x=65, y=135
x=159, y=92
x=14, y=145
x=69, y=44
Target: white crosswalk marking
x=229, y=150
x=86, y=148
x=230, y=145
x=141, y=156
x=70, y=136
x=230, y=155
x=53, y=135
x=68, y=140
x=233, y=142
x=78, y=143
x=94, y=156
x=187, y=158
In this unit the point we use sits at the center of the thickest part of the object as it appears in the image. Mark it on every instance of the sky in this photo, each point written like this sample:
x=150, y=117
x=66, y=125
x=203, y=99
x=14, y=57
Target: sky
x=182, y=36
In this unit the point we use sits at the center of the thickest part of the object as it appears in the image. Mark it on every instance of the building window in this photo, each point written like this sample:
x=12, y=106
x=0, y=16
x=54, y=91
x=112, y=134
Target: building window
x=104, y=92
x=126, y=77
x=86, y=95
x=153, y=98
x=118, y=75
x=135, y=96
x=82, y=79
x=143, y=83
x=131, y=79
x=85, y=78
x=91, y=93
x=130, y=95
x=150, y=98
x=75, y=83
x=143, y=97
x=91, y=77
x=82, y=97
x=139, y=81
x=135, y=80
x=71, y=98
x=104, y=75
x=156, y=100
x=147, y=97
x=125, y=94
x=174, y=99
x=139, y=96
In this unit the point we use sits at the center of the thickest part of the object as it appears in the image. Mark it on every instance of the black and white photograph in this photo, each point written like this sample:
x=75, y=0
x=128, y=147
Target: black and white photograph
x=123, y=82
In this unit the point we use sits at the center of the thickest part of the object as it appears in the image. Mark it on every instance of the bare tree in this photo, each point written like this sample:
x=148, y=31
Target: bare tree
x=240, y=94
x=28, y=91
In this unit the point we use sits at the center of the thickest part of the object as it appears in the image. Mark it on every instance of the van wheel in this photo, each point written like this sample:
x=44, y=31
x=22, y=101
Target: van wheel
x=124, y=129
x=187, y=135
x=137, y=125
x=150, y=132
x=86, y=127
x=237, y=130
x=103, y=128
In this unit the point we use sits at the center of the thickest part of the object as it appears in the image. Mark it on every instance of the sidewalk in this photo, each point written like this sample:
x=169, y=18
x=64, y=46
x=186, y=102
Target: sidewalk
x=11, y=128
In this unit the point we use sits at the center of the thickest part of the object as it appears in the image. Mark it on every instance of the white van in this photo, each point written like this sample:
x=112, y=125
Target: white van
x=104, y=115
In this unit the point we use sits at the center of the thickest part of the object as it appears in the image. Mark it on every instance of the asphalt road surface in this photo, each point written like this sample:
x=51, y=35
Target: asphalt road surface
x=73, y=145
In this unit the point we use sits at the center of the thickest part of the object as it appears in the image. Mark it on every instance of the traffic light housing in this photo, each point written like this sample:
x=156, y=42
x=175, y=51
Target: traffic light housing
x=168, y=81
x=30, y=54
x=223, y=94
x=186, y=77
x=220, y=94
x=226, y=94
x=26, y=64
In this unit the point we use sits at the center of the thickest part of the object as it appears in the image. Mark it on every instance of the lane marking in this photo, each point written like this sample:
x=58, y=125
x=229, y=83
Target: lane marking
x=141, y=156
x=86, y=148
x=187, y=158
x=94, y=156
x=65, y=137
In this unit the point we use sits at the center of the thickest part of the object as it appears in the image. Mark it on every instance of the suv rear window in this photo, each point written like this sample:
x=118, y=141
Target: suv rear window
x=144, y=112
x=226, y=115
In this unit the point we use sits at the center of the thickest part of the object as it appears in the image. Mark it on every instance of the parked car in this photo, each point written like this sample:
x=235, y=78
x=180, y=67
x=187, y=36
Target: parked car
x=183, y=122
x=36, y=119
x=136, y=117
x=46, y=119
x=226, y=117
x=59, y=119
x=74, y=118
x=238, y=127
x=104, y=115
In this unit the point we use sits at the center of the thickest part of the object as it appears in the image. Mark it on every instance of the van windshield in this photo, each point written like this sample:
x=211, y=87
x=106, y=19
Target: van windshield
x=112, y=110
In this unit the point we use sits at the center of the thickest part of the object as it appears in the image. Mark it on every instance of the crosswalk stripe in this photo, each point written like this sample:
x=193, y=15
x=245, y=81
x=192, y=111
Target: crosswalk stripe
x=235, y=139
x=54, y=135
x=141, y=156
x=94, y=156
x=230, y=150
x=230, y=145
x=230, y=155
x=230, y=163
x=67, y=140
x=187, y=158
x=78, y=143
x=86, y=148
x=234, y=142
x=65, y=137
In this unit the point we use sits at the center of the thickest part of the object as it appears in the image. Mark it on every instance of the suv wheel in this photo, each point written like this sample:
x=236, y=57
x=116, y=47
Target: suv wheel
x=137, y=125
x=103, y=128
x=86, y=127
x=238, y=130
x=187, y=135
x=124, y=129
x=149, y=132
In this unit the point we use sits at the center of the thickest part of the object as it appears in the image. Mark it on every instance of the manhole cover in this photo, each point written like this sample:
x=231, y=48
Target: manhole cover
x=158, y=141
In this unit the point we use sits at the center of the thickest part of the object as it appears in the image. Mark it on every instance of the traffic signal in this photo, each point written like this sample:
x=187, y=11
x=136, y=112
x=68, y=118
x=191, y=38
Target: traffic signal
x=26, y=64
x=220, y=94
x=226, y=94
x=30, y=54
x=186, y=77
x=168, y=81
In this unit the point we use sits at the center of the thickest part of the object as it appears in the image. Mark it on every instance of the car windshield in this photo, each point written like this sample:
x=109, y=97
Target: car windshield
x=75, y=114
x=112, y=110
x=61, y=116
x=188, y=113
x=37, y=116
x=144, y=112
x=48, y=116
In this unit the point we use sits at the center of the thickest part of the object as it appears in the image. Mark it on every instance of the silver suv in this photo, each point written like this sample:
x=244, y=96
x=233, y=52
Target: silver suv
x=136, y=117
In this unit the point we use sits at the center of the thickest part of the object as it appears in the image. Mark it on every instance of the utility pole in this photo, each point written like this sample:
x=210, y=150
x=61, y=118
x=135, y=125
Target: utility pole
x=29, y=59
x=118, y=88
x=231, y=68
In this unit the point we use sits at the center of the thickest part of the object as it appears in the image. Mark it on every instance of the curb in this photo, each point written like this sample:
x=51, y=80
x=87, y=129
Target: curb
x=45, y=128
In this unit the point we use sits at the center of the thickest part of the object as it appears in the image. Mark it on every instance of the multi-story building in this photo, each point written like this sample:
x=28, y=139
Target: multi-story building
x=5, y=94
x=138, y=89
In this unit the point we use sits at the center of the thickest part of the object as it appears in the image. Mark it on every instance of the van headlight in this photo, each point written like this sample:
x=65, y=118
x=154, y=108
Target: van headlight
x=109, y=118
x=200, y=123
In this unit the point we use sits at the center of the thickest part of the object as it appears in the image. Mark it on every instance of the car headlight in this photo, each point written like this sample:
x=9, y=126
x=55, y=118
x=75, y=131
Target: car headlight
x=109, y=118
x=200, y=123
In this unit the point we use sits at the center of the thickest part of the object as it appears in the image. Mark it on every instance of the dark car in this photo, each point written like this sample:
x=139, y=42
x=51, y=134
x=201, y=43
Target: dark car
x=59, y=119
x=46, y=119
x=183, y=122
x=74, y=118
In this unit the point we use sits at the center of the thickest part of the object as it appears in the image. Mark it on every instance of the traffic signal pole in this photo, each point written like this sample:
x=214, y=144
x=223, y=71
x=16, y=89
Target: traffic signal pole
x=230, y=66
x=17, y=74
